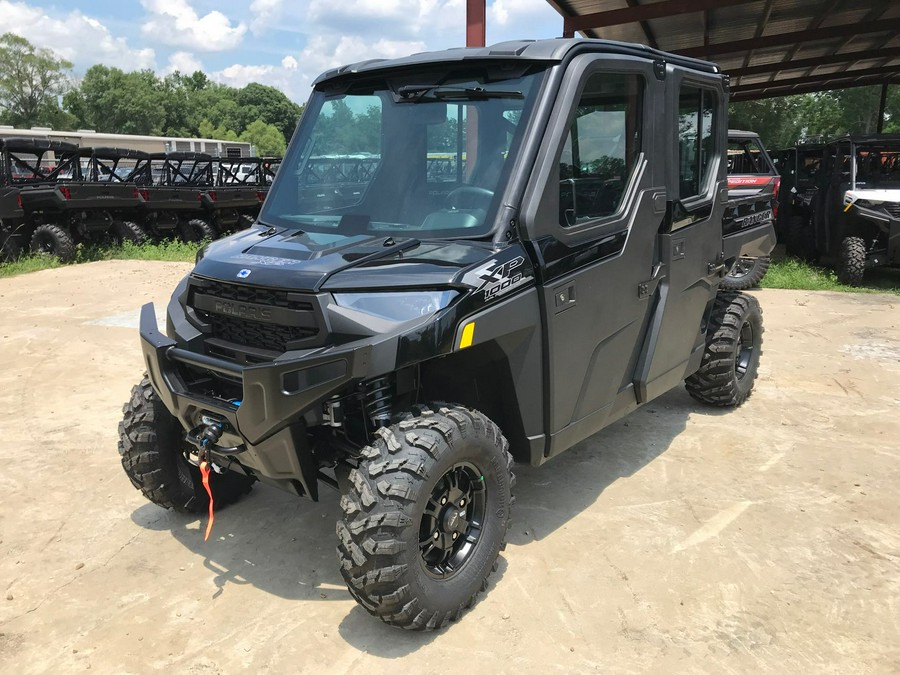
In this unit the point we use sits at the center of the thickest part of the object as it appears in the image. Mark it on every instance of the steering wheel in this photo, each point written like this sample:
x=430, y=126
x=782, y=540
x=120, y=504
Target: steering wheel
x=471, y=197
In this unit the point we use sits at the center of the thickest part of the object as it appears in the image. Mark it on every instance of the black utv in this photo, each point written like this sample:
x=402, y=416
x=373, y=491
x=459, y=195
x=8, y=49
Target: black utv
x=12, y=216
x=68, y=197
x=751, y=172
x=173, y=186
x=404, y=329
x=856, y=211
x=239, y=192
x=799, y=169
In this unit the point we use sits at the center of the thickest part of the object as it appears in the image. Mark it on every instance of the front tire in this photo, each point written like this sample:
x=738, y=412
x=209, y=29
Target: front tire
x=733, y=347
x=425, y=516
x=746, y=273
x=151, y=444
x=851, y=261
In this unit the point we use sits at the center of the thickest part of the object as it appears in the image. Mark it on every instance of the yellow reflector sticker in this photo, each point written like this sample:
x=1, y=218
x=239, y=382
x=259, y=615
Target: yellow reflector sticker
x=467, y=334
x=848, y=207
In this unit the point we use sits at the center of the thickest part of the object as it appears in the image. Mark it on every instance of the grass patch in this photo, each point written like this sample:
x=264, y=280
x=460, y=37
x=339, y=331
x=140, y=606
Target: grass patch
x=795, y=275
x=169, y=251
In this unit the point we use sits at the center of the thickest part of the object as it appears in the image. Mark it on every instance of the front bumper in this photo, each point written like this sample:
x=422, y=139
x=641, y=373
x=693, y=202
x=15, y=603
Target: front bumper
x=275, y=394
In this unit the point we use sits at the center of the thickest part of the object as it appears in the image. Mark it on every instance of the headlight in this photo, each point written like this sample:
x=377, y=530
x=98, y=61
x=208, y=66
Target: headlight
x=397, y=306
x=865, y=203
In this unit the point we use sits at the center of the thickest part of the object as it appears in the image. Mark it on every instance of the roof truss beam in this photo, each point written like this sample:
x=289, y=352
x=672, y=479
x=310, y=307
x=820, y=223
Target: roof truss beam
x=884, y=73
x=814, y=62
x=635, y=12
x=782, y=39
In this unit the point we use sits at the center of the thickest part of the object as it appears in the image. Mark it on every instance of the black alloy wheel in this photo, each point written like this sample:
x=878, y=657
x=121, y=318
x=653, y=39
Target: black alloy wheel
x=452, y=521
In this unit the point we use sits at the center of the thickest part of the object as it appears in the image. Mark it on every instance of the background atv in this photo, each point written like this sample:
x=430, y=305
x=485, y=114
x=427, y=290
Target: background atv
x=799, y=168
x=426, y=299
x=68, y=197
x=856, y=211
x=750, y=173
x=12, y=216
x=173, y=186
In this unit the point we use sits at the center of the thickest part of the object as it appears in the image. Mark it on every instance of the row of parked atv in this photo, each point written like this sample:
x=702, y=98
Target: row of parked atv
x=55, y=195
x=836, y=203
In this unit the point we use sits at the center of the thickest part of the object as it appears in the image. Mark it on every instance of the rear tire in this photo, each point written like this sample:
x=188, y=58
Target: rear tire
x=426, y=516
x=746, y=273
x=733, y=347
x=245, y=221
x=851, y=261
x=197, y=230
x=53, y=240
x=151, y=442
x=125, y=230
x=800, y=239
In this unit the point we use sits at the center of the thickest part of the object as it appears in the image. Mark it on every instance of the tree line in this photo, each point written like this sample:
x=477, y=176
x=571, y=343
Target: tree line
x=37, y=88
x=782, y=122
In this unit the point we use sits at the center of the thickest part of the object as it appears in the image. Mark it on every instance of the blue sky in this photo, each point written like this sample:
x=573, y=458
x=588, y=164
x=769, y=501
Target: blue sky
x=284, y=43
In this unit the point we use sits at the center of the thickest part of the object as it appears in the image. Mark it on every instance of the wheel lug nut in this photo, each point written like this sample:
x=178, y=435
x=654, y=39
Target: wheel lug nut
x=443, y=500
x=437, y=534
x=455, y=535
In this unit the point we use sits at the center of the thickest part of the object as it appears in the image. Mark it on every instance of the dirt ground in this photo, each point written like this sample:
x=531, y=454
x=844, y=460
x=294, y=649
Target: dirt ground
x=680, y=539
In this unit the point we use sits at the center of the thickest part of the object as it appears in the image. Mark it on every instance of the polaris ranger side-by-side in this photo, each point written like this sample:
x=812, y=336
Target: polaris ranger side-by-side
x=12, y=216
x=68, y=197
x=799, y=169
x=856, y=211
x=750, y=172
x=404, y=333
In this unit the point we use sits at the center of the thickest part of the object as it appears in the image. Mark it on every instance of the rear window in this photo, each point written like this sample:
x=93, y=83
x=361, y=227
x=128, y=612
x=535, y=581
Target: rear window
x=746, y=157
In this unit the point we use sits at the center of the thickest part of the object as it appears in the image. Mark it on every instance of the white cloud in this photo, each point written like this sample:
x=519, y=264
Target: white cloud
x=75, y=36
x=266, y=14
x=521, y=19
x=289, y=63
x=176, y=23
x=184, y=62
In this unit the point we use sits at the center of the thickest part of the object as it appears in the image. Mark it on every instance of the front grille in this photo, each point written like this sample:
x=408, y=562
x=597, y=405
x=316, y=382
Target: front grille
x=255, y=334
x=250, y=324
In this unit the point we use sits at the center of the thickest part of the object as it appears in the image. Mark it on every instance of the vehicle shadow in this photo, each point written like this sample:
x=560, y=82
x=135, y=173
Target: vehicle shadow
x=285, y=546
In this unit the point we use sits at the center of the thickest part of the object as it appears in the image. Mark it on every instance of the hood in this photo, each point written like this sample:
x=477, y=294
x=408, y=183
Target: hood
x=309, y=261
x=877, y=196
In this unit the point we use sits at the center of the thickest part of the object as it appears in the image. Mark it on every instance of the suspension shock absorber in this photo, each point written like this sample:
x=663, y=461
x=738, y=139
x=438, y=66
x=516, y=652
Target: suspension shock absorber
x=379, y=401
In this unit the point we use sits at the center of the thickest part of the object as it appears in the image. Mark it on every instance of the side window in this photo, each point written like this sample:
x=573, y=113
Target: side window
x=696, y=142
x=745, y=157
x=601, y=149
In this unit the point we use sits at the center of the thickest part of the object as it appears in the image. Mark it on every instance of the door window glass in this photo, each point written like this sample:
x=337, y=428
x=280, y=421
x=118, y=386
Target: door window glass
x=601, y=149
x=696, y=142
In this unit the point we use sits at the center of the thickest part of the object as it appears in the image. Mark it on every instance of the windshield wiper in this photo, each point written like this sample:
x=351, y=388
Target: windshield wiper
x=412, y=93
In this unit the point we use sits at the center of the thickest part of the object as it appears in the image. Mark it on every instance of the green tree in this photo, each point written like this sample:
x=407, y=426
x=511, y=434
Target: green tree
x=113, y=101
x=265, y=137
x=31, y=81
x=261, y=102
x=208, y=130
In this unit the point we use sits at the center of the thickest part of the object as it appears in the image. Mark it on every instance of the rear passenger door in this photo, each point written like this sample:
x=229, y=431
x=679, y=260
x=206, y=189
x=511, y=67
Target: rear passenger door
x=690, y=248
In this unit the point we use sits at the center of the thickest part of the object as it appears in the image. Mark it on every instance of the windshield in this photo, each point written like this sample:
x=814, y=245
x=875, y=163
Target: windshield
x=877, y=166
x=427, y=158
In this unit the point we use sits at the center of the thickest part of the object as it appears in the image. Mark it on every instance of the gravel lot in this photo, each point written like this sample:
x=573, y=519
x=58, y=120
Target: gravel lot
x=680, y=539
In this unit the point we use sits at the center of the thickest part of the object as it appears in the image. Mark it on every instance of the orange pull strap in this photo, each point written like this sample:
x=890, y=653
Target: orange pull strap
x=204, y=472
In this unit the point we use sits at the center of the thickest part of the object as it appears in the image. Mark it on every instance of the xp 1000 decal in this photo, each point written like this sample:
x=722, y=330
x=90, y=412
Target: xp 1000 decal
x=496, y=278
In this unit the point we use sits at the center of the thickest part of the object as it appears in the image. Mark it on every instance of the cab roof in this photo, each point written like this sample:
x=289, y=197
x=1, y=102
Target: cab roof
x=518, y=51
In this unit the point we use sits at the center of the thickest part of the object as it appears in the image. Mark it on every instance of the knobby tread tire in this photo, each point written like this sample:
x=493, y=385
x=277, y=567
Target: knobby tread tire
x=197, y=230
x=10, y=248
x=852, y=261
x=749, y=280
x=150, y=446
x=53, y=239
x=378, y=534
x=245, y=221
x=716, y=382
x=126, y=230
